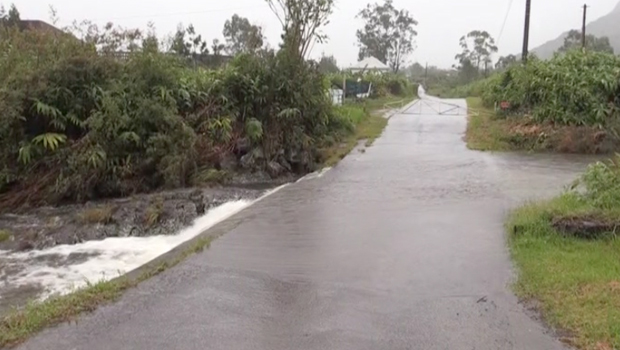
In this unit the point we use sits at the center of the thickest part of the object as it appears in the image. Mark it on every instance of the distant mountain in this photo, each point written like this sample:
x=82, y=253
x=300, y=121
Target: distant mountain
x=608, y=26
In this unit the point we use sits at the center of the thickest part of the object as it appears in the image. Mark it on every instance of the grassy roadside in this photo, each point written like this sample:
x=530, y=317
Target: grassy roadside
x=485, y=132
x=572, y=280
x=489, y=131
x=19, y=324
x=369, y=124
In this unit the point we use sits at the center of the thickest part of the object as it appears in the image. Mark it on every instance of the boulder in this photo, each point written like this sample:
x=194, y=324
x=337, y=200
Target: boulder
x=228, y=162
x=253, y=159
x=274, y=169
x=243, y=145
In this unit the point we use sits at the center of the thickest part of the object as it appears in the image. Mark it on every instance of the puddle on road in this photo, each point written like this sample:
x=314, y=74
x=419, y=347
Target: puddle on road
x=59, y=270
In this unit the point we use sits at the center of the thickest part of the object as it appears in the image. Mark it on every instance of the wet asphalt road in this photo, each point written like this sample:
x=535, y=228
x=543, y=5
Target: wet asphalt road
x=400, y=247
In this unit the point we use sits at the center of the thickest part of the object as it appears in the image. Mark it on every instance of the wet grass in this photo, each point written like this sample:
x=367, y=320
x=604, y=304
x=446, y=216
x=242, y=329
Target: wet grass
x=211, y=176
x=19, y=324
x=575, y=283
x=485, y=132
x=154, y=212
x=101, y=215
x=369, y=123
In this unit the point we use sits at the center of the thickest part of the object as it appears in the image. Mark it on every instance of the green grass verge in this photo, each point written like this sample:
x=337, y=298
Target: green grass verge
x=19, y=324
x=488, y=131
x=485, y=132
x=369, y=123
x=575, y=283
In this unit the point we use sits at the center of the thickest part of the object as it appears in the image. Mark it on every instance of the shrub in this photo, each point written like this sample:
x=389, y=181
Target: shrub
x=575, y=88
x=602, y=184
x=77, y=125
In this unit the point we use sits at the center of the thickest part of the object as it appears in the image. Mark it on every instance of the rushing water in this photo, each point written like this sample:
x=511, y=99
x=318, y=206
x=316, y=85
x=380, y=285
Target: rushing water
x=63, y=268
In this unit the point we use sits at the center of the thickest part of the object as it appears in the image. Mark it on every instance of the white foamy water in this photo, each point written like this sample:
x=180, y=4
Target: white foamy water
x=315, y=175
x=63, y=268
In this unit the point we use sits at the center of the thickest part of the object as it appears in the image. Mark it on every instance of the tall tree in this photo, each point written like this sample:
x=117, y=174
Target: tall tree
x=217, y=48
x=150, y=43
x=11, y=18
x=302, y=21
x=478, y=47
x=186, y=42
x=328, y=64
x=388, y=34
x=574, y=41
x=242, y=36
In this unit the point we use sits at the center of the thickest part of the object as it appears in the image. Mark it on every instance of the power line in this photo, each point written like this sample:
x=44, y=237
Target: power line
x=501, y=32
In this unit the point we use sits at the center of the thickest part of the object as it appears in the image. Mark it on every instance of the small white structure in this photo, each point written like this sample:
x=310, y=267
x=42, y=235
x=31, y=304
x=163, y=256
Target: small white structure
x=337, y=96
x=370, y=64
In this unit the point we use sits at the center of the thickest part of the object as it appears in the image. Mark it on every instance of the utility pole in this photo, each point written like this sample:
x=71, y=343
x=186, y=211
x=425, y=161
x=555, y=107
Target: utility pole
x=583, y=27
x=526, y=31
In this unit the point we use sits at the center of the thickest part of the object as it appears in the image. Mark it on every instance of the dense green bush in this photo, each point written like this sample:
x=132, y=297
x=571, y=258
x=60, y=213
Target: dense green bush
x=575, y=88
x=473, y=89
x=77, y=125
x=602, y=184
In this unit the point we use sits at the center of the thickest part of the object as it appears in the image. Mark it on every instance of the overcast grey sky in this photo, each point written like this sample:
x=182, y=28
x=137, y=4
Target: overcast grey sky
x=441, y=22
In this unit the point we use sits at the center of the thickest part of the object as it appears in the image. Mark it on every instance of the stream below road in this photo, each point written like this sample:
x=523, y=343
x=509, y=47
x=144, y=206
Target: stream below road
x=41, y=273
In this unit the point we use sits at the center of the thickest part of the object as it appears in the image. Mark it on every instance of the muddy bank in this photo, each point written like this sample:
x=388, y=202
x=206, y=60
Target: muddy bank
x=161, y=213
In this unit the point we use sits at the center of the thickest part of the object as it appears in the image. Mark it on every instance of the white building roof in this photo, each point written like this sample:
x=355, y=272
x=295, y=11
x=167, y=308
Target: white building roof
x=370, y=63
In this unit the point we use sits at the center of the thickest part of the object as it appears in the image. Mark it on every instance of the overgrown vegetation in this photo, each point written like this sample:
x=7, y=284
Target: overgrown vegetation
x=570, y=103
x=572, y=89
x=568, y=255
x=78, y=124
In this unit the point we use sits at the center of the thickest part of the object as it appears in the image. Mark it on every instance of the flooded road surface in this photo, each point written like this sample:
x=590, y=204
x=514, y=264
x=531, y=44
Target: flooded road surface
x=400, y=247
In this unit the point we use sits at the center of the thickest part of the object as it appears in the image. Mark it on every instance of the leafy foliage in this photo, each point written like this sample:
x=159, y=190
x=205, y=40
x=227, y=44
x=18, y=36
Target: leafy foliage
x=76, y=124
x=242, y=36
x=302, y=21
x=10, y=18
x=388, y=34
x=602, y=184
x=328, y=64
x=573, y=89
x=477, y=46
x=506, y=61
